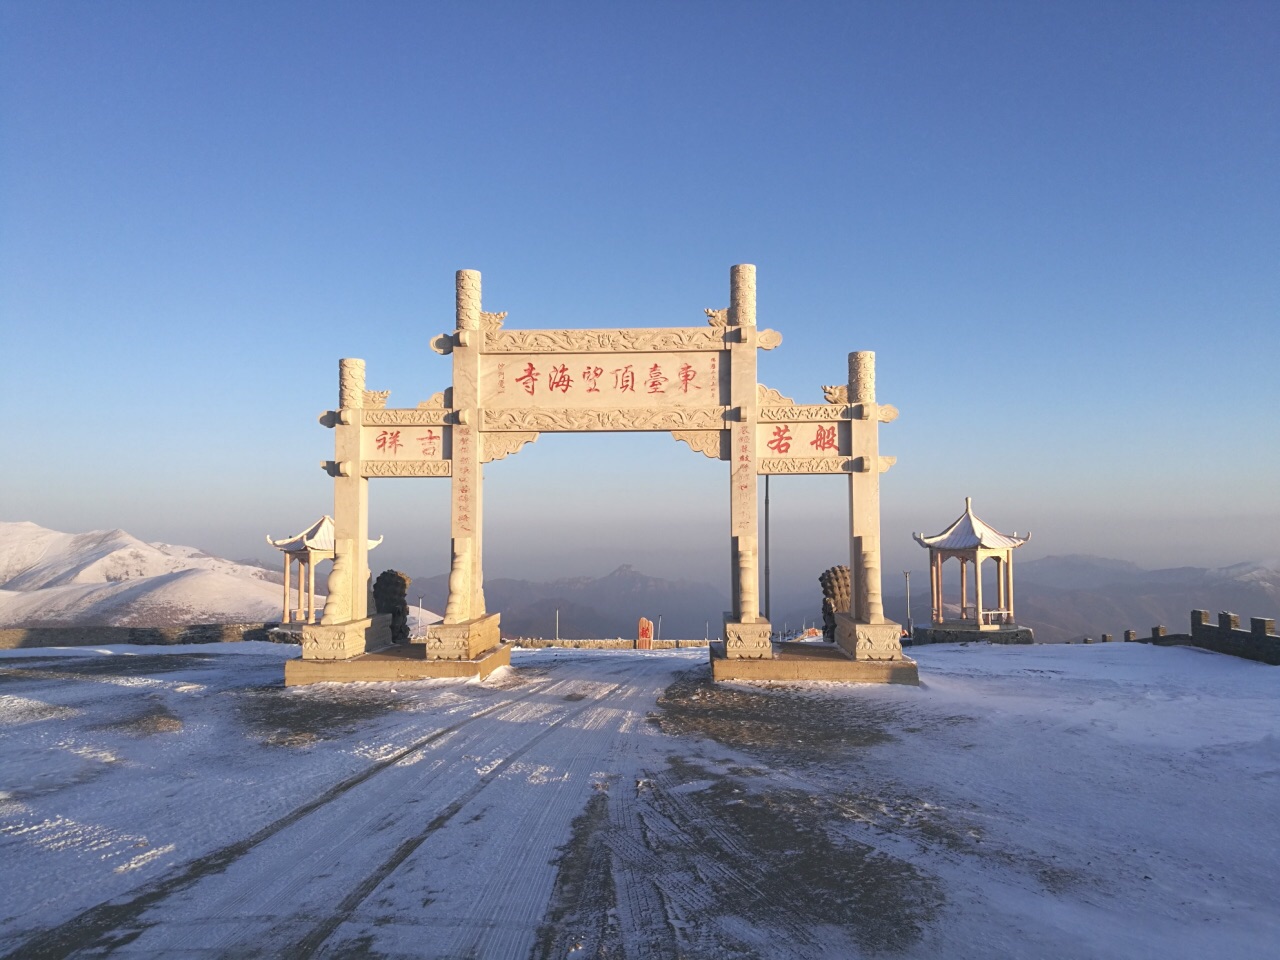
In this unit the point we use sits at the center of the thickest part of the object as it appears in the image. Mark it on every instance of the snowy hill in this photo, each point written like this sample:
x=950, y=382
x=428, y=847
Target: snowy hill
x=33, y=557
x=112, y=578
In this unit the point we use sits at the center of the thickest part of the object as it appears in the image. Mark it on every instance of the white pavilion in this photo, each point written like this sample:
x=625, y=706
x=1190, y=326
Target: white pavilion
x=306, y=549
x=971, y=541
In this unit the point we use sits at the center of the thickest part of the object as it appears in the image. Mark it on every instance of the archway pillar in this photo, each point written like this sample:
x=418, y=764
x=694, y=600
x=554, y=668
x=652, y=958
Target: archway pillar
x=746, y=632
x=863, y=632
x=467, y=630
x=346, y=629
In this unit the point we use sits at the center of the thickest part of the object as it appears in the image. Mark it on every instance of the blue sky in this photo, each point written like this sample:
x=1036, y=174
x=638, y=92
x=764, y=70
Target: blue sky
x=1058, y=226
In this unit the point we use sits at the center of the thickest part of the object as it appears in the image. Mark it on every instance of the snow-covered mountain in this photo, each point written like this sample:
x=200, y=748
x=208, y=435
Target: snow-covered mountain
x=111, y=578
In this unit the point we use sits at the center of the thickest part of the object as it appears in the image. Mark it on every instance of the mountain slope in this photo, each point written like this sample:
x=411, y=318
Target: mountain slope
x=114, y=579
x=33, y=557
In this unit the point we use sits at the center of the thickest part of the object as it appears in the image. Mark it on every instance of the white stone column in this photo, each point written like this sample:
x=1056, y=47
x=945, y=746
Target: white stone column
x=746, y=632
x=349, y=580
x=866, y=605
x=964, y=590
x=465, y=577
x=468, y=630
x=863, y=632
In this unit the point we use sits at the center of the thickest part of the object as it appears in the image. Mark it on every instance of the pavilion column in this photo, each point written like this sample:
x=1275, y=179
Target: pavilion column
x=1008, y=588
x=964, y=589
x=1000, y=597
x=311, y=589
x=284, y=617
x=937, y=587
x=977, y=588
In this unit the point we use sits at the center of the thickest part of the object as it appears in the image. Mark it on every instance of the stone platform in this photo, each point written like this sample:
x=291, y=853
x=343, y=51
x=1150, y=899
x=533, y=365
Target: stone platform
x=925, y=635
x=399, y=662
x=812, y=661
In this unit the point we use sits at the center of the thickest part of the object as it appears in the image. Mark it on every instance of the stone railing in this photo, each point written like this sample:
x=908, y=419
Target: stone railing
x=539, y=643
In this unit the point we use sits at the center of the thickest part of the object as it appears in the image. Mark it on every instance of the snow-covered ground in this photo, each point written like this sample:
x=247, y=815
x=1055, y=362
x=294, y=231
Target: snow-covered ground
x=1115, y=800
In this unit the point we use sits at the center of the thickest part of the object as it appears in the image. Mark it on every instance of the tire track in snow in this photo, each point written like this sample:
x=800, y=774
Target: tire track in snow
x=444, y=903
x=310, y=943
x=93, y=927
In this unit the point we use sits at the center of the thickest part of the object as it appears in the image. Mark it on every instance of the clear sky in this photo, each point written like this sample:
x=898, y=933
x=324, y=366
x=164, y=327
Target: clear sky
x=1058, y=226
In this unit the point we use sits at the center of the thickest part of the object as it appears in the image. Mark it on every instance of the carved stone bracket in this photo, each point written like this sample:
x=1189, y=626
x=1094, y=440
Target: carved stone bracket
x=376, y=399
x=803, y=413
x=442, y=400
x=768, y=395
x=603, y=341
x=406, y=417
x=496, y=446
x=492, y=321
x=836, y=394
x=406, y=468
x=644, y=418
x=718, y=318
x=776, y=465
x=886, y=463
x=711, y=443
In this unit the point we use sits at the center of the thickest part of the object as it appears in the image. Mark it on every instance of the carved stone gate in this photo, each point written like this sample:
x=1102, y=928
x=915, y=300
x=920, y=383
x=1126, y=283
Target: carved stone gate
x=698, y=383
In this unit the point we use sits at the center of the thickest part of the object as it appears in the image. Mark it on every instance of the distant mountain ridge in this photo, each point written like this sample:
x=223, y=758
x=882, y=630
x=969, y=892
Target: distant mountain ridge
x=1086, y=572
x=1066, y=598
x=593, y=607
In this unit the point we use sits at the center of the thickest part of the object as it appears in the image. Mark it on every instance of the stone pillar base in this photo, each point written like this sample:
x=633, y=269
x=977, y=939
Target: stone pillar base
x=868, y=641
x=463, y=641
x=747, y=641
x=342, y=641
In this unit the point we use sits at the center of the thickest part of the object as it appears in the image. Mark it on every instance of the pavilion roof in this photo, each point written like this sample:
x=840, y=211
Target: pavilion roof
x=318, y=537
x=968, y=532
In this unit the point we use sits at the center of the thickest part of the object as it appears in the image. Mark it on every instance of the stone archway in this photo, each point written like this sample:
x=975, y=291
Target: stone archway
x=510, y=386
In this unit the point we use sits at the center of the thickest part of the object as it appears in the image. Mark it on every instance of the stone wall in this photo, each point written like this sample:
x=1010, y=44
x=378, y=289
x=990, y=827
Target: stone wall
x=537, y=644
x=1259, y=642
x=15, y=638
